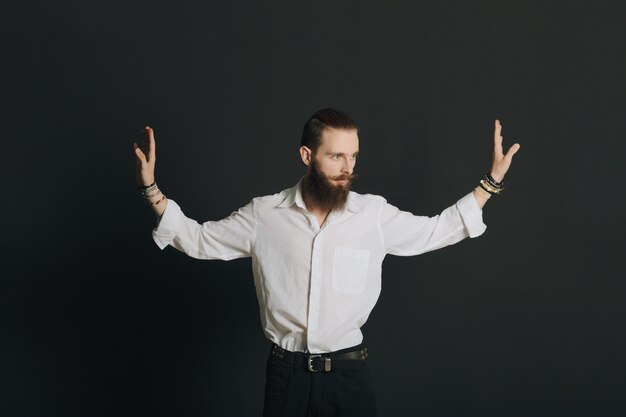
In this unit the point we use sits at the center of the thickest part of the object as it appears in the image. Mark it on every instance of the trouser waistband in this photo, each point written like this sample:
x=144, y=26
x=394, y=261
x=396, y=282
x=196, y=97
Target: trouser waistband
x=350, y=358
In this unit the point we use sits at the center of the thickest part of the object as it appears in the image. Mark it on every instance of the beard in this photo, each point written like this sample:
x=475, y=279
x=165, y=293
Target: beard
x=325, y=195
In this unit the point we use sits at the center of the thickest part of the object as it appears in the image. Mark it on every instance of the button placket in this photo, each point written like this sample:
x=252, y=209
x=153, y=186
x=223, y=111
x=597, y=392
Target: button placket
x=315, y=289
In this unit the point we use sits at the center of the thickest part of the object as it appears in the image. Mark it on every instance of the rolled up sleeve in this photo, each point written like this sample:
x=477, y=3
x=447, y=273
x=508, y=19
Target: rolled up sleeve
x=472, y=215
x=405, y=234
x=226, y=239
x=168, y=225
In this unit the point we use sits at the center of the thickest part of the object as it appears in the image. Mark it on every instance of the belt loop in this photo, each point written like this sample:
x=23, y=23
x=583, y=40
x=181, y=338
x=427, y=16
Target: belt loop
x=278, y=351
x=327, y=364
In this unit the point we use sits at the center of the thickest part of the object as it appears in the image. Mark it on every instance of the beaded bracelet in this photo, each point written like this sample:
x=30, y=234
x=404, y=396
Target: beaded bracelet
x=487, y=187
x=490, y=185
x=493, y=182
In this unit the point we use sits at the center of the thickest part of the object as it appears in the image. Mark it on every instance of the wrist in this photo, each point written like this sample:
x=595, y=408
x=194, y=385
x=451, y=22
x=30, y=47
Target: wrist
x=146, y=184
x=152, y=195
x=496, y=177
x=482, y=192
x=491, y=185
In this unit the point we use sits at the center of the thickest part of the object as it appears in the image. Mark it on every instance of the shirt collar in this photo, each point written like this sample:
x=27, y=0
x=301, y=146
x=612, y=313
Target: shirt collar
x=293, y=196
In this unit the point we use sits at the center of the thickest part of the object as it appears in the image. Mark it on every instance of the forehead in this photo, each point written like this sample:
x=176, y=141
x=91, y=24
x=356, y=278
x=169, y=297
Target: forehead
x=339, y=141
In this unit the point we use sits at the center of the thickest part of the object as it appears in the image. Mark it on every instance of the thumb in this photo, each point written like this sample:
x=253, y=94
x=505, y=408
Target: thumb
x=512, y=151
x=139, y=154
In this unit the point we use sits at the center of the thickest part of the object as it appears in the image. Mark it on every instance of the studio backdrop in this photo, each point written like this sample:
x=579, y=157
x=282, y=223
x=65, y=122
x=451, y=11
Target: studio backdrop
x=527, y=320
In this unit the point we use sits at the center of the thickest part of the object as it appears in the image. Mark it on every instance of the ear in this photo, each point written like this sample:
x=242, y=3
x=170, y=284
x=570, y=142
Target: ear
x=306, y=155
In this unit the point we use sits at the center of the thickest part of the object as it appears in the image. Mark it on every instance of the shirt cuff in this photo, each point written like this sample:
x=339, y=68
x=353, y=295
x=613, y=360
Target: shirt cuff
x=472, y=215
x=168, y=225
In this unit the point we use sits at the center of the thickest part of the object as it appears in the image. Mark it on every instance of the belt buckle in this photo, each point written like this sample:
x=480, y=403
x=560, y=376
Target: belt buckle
x=327, y=363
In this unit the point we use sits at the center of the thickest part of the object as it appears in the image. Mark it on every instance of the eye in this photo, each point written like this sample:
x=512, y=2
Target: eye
x=335, y=157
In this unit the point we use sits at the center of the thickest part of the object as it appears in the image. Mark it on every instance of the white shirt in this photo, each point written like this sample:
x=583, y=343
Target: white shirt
x=316, y=286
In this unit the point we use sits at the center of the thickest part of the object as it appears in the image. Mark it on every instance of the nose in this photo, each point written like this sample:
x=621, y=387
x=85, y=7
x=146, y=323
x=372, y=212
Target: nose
x=347, y=166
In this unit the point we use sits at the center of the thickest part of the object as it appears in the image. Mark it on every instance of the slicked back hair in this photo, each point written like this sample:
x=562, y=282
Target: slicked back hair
x=322, y=119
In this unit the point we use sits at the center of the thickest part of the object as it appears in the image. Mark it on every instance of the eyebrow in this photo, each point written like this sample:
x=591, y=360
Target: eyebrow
x=341, y=153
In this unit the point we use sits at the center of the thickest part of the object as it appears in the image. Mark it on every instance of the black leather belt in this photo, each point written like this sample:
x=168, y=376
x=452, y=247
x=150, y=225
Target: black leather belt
x=322, y=362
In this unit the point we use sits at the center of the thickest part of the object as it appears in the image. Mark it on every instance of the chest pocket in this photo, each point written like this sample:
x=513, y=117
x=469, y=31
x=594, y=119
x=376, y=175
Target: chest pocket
x=350, y=270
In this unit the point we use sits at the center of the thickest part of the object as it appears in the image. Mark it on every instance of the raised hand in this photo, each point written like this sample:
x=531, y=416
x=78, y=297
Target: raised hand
x=146, y=157
x=501, y=162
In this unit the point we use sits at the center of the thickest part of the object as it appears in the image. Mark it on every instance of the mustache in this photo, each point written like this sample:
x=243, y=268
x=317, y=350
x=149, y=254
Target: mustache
x=345, y=177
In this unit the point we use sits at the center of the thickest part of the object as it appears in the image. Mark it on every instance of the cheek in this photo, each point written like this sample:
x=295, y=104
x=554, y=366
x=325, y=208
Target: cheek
x=327, y=168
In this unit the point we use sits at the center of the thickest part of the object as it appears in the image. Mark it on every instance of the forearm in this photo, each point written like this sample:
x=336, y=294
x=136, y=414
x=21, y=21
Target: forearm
x=481, y=196
x=159, y=209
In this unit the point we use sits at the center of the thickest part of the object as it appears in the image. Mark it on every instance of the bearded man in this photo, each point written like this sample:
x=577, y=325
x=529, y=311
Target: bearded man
x=317, y=251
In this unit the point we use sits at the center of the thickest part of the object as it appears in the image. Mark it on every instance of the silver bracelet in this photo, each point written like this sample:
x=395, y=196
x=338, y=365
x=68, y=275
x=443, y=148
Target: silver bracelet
x=150, y=189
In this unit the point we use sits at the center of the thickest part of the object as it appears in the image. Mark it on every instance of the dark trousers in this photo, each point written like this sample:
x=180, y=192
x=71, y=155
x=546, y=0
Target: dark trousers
x=291, y=390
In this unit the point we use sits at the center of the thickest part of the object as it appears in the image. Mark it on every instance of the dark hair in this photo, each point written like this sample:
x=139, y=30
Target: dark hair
x=322, y=119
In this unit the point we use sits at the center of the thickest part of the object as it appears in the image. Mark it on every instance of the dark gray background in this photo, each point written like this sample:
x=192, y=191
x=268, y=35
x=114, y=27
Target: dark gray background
x=527, y=320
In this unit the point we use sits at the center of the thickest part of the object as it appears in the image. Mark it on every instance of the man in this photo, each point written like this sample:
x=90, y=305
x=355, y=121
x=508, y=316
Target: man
x=317, y=251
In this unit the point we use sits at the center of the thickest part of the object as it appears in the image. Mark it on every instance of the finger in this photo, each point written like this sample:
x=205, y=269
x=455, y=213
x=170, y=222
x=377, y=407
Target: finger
x=152, y=148
x=145, y=141
x=139, y=154
x=497, y=138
